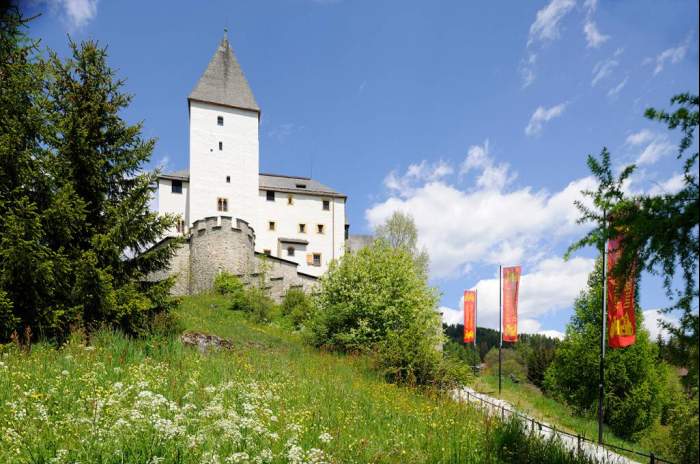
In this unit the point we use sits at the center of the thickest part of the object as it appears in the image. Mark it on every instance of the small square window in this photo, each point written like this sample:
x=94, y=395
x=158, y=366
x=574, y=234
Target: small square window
x=319, y=228
x=176, y=186
x=290, y=200
x=326, y=205
x=271, y=225
x=317, y=259
x=302, y=228
x=221, y=146
x=222, y=204
x=270, y=195
x=228, y=179
x=290, y=251
x=220, y=120
x=267, y=252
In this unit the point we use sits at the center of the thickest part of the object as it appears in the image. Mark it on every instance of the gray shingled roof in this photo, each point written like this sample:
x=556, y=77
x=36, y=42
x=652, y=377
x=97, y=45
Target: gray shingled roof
x=276, y=182
x=292, y=184
x=223, y=82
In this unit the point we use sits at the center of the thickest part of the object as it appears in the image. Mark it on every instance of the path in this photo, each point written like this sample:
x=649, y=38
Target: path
x=494, y=406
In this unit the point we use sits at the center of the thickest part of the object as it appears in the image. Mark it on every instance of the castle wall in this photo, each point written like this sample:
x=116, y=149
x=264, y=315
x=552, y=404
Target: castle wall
x=222, y=244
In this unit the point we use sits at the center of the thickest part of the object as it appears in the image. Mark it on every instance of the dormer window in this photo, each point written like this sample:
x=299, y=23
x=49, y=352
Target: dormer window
x=219, y=120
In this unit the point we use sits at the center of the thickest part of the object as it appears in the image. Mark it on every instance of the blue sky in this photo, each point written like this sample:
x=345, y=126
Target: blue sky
x=475, y=117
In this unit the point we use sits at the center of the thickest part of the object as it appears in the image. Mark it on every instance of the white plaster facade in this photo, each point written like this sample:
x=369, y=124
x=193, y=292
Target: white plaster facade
x=224, y=164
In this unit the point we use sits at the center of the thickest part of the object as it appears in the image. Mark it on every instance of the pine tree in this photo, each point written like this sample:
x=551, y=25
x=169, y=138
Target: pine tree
x=634, y=395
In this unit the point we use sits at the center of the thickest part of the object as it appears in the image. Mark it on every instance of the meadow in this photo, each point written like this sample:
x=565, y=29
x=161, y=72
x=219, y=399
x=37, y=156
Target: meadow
x=270, y=399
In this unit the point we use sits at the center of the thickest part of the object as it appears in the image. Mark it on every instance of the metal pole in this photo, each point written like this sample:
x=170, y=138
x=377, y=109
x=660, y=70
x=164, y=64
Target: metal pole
x=603, y=314
x=500, y=325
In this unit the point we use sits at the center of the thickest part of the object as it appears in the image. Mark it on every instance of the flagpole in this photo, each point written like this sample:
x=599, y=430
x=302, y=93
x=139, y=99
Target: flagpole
x=601, y=384
x=500, y=325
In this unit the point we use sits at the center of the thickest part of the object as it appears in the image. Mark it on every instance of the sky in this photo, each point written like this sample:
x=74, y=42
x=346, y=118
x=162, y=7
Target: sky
x=474, y=117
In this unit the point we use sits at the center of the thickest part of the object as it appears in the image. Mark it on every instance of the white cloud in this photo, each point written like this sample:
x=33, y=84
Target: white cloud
x=471, y=227
x=671, y=185
x=604, y=68
x=541, y=116
x=76, y=12
x=640, y=138
x=494, y=176
x=672, y=55
x=404, y=185
x=594, y=38
x=527, y=69
x=616, y=90
x=657, y=149
x=546, y=25
x=550, y=286
x=552, y=334
x=652, y=319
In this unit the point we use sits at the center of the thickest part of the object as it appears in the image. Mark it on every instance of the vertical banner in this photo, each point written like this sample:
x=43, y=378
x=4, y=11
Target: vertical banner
x=511, y=283
x=622, y=327
x=469, y=316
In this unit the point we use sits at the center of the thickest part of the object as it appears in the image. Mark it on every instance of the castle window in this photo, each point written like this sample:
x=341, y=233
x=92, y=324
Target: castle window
x=271, y=225
x=228, y=179
x=317, y=259
x=222, y=204
x=301, y=186
x=290, y=251
x=220, y=120
x=267, y=252
x=221, y=146
x=270, y=195
x=326, y=205
x=319, y=228
x=290, y=200
x=302, y=228
x=176, y=186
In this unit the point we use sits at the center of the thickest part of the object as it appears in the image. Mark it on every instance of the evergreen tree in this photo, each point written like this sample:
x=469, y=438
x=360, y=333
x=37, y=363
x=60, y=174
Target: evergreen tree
x=76, y=232
x=634, y=395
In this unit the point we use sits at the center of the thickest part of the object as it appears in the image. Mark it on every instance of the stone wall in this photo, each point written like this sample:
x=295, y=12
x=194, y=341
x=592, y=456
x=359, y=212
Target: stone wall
x=222, y=244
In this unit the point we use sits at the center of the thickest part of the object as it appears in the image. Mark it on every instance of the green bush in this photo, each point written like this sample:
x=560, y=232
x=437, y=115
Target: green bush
x=297, y=306
x=377, y=301
x=511, y=363
x=513, y=443
x=258, y=305
x=227, y=284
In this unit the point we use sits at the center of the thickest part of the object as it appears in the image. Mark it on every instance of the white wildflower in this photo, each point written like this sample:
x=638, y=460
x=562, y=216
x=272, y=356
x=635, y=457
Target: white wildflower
x=325, y=438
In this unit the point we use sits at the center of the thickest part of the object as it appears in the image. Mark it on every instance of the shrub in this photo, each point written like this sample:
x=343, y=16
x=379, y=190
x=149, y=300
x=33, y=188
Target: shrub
x=297, y=306
x=227, y=284
x=511, y=363
x=376, y=300
x=258, y=305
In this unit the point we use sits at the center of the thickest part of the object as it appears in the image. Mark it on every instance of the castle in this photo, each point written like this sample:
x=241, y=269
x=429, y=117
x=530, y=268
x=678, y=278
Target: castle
x=235, y=218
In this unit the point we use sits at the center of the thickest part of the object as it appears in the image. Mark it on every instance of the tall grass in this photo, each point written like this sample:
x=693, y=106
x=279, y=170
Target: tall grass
x=270, y=399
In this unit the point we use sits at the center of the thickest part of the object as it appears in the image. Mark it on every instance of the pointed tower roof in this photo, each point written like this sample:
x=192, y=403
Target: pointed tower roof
x=223, y=83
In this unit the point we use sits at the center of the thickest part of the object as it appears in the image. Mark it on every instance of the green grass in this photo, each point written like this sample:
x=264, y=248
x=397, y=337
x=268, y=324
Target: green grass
x=528, y=399
x=270, y=399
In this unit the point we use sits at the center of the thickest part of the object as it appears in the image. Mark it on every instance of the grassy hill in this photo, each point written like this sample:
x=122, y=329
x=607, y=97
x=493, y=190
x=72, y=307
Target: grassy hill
x=269, y=399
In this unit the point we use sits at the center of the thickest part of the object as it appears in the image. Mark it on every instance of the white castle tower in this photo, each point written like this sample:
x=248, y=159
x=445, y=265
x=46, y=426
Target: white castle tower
x=294, y=219
x=224, y=153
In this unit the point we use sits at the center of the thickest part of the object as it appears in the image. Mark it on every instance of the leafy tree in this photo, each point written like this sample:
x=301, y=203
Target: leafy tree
x=634, y=379
x=377, y=301
x=399, y=231
x=538, y=352
x=298, y=306
x=512, y=363
x=660, y=230
x=76, y=232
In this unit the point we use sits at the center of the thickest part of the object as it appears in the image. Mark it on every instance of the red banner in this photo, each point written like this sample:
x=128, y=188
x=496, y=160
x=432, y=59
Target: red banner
x=511, y=283
x=622, y=327
x=469, y=316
